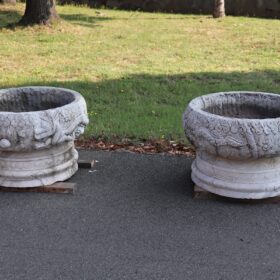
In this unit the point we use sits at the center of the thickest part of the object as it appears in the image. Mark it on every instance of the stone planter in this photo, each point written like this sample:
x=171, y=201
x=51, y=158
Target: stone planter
x=38, y=126
x=237, y=137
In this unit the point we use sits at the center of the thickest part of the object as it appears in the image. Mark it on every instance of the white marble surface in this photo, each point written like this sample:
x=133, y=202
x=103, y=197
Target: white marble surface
x=38, y=126
x=237, y=137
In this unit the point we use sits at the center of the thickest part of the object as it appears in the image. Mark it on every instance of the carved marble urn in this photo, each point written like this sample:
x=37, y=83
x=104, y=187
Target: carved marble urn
x=237, y=137
x=38, y=126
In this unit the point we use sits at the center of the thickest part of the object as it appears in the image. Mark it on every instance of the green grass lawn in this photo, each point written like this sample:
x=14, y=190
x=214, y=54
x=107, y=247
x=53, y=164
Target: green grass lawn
x=138, y=70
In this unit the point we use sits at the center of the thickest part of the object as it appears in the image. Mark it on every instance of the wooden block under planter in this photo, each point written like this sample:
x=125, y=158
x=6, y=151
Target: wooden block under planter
x=59, y=187
x=86, y=163
x=201, y=194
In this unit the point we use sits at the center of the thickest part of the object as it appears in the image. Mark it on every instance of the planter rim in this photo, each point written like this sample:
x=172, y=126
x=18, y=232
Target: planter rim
x=75, y=94
x=198, y=109
x=49, y=116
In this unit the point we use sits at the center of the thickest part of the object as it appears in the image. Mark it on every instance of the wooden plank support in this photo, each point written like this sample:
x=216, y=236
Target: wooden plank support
x=201, y=194
x=86, y=163
x=59, y=187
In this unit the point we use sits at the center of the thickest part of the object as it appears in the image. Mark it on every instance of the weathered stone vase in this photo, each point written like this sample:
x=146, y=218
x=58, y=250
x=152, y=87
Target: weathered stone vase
x=38, y=126
x=237, y=137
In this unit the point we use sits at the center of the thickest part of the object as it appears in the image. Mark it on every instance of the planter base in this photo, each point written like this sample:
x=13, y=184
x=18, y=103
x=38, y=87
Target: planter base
x=39, y=167
x=246, y=179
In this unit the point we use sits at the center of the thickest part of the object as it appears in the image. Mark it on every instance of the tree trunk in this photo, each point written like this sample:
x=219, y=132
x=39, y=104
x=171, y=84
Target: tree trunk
x=8, y=2
x=39, y=12
x=219, y=9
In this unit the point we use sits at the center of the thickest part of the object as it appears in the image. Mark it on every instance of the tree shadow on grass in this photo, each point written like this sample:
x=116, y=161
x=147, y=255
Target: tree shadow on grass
x=9, y=17
x=143, y=106
x=84, y=20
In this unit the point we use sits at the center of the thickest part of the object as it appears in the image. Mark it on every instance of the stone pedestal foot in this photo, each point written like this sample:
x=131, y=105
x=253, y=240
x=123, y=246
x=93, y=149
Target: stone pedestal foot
x=38, y=167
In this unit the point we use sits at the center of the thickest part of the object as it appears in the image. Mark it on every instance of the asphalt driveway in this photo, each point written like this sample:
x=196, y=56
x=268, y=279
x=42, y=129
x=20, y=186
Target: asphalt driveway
x=133, y=217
